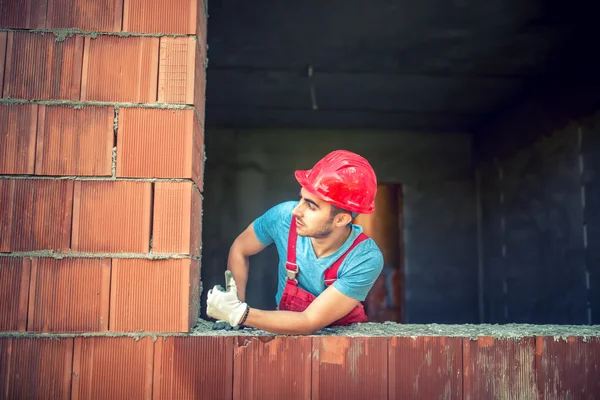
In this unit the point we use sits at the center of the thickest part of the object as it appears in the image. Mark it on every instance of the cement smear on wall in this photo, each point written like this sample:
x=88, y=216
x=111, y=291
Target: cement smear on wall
x=391, y=329
x=387, y=329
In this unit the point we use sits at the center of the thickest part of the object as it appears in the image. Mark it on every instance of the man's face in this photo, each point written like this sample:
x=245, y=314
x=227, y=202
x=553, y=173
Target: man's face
x=313, y=216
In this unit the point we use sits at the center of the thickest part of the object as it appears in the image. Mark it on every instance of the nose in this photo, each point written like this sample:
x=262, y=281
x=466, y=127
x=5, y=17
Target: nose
x=296, y=211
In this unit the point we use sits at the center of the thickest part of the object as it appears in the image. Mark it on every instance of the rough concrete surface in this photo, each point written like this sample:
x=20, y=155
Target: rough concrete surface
x=387, y=329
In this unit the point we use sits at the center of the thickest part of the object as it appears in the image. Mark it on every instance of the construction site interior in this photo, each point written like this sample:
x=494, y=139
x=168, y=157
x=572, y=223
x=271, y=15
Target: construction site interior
x=139, y=138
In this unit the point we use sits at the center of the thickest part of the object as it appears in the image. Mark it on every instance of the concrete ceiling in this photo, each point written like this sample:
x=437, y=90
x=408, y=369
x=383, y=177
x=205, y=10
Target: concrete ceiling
x=441, y=65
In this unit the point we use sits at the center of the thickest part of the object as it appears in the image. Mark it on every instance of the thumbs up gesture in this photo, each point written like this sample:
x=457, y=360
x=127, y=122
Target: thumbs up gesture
x=224, y=304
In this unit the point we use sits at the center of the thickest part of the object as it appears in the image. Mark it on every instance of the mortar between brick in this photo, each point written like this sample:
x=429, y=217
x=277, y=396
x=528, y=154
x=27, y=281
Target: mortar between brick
x=80, y=104
x=62, y=34
x=60, y=256
x=93, y=178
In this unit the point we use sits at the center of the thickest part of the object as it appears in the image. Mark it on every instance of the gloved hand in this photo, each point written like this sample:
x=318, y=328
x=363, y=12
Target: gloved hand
x=224, y=304
x=223, y=326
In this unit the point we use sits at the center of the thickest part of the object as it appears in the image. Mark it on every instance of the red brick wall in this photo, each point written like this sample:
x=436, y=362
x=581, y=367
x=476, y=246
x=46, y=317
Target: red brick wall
x=319, y=367
x=101, y=165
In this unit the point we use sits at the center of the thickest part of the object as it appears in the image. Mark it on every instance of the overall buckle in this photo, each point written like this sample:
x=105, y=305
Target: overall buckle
x=291, y=274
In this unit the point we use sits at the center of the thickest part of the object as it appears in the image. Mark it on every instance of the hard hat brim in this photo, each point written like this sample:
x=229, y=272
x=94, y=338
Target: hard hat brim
x=302, y=178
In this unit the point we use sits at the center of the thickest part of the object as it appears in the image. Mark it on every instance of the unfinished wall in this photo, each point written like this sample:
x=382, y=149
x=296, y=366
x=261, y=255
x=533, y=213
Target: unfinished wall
x=539, y=167
x=251, y=170
x=382, y=362
x=101, y=159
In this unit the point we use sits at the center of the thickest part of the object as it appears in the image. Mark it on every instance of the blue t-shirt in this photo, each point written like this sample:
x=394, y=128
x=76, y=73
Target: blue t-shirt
x=356, y=275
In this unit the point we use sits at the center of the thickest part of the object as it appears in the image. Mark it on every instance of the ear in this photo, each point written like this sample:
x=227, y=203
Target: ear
x=342, y=219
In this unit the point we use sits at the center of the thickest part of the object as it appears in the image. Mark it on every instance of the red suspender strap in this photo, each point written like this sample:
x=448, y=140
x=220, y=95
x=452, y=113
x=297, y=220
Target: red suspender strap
x=332, y=272
x=290, y=265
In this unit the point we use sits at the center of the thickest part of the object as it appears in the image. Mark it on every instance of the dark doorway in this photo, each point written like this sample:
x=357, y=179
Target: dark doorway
x=385, y=300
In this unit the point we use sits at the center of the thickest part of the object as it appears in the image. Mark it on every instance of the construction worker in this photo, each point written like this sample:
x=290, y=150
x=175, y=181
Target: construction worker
x=327, y=265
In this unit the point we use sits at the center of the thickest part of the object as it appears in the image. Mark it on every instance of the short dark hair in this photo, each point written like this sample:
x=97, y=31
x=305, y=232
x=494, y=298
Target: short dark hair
x=337, y=210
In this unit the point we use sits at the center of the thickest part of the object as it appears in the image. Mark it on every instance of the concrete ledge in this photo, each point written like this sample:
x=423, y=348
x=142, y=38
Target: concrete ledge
x=386, y=329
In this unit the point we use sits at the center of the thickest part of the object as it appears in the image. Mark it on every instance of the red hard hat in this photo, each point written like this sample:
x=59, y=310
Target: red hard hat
x=343, y=179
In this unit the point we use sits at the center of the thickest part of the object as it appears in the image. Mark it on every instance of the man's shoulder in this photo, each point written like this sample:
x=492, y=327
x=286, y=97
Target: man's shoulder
x=369, y=248
x=366, y=253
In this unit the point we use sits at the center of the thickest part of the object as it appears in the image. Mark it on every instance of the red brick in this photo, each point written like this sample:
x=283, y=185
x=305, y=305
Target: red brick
x=112, y=216
x=75, y=142
x=112, y=368
x=3, y=38
x=153, y=143
x=154, y=295
x=120, y=69
x=160, y=16
x=198, y=155
x=176, y=70
x=176, y=226
x=24, y=14
x=499, y=366
x=37, y=368
x=425, y=368
x=14, y=288
x=17, y=138
x=350, y=368
x=69, y=295
x=89, y=15
x=272, y=368
x=38, y=67
x=35, y=214
x=179, y=373
x=568, y=368
x=200, y=86
x=201, y=24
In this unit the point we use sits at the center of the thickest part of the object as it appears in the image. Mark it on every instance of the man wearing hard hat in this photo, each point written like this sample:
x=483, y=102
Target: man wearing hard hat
x=327, y=265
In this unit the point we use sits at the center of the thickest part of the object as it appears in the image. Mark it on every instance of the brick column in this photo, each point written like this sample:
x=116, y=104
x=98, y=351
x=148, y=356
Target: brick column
x=101, y=160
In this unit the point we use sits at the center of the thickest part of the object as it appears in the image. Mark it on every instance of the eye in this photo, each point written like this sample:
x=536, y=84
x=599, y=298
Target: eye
x=311, y=206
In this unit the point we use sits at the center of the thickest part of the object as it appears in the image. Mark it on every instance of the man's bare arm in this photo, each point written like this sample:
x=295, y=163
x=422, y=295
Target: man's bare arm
x=330, y=306
x=244, y=246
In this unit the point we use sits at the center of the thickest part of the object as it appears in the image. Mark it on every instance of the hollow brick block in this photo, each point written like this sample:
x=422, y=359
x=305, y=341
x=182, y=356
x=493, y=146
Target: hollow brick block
x=22, y=14
x=153, y=143
x=36, y=368
x=75, y=142
x=112, y=216
x=14, y=289
x=177, y=219
x=118, y=69
x=160, y=16
x=69, y=295
x=176, y=361
x=87, y=15
x=112, y=368
x=176, y=70
x=18, y=125
x=154, y=295
x=35, y=214
x=39, y=67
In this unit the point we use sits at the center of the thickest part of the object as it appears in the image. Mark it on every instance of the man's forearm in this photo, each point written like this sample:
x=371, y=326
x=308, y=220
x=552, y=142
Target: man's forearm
x=281, y=322
x=239, y=265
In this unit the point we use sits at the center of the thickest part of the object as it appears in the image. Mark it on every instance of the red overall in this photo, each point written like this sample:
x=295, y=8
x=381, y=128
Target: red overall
x=296, y=299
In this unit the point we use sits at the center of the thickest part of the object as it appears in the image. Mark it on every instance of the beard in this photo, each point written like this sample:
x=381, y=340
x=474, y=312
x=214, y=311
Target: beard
x=318, y=233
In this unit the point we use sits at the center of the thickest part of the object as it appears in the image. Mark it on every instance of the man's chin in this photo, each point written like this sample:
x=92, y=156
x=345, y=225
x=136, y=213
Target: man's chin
x=301, y=231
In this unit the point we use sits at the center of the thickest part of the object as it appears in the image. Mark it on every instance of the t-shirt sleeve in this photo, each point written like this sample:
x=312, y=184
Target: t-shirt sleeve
x=357, y=278
x=272, y=222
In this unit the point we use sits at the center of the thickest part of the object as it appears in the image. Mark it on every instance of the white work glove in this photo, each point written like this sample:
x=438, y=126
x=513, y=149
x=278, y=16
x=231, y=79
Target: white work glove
x=225, y=305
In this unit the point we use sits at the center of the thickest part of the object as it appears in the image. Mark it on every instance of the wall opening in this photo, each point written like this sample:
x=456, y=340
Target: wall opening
x=385, y=301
